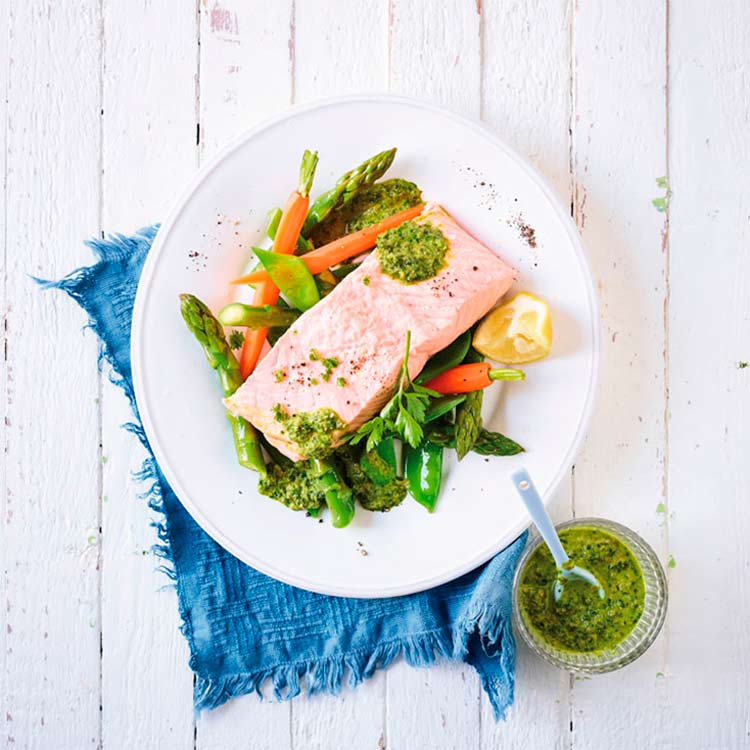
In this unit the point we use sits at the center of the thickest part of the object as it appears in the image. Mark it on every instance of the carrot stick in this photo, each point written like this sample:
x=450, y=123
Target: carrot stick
x=265, y=294
x=292, y=219
x=290, y=226
x=471, y=377
x=341, y=249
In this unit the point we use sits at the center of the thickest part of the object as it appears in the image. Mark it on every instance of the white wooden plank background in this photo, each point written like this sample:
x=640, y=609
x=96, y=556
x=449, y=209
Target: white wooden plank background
x=148, y=105
x=109, y=107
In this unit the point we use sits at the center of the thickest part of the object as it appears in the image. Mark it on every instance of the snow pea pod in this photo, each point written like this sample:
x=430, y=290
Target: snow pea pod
x=424, y=472
x=379, y=464
x=452, y=355
x=291, y=276
x=387, y=452
x=441, y=406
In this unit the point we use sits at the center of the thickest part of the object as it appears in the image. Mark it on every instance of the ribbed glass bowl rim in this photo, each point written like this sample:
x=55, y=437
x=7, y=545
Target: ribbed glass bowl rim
x=641, y=637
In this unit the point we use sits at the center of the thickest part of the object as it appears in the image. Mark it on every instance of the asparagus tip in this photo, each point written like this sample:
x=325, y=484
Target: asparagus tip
x=307, y=172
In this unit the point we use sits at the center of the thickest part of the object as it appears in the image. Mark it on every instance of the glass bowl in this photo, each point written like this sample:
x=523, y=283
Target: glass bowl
x=642, y=635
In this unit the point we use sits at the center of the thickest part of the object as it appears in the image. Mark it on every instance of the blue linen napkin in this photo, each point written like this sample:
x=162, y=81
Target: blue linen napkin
x=245, y=628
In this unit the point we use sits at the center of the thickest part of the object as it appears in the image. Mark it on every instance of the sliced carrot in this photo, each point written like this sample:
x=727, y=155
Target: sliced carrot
x=290, y=226
x=265, y=294
x=292, y=219
x=341, y=249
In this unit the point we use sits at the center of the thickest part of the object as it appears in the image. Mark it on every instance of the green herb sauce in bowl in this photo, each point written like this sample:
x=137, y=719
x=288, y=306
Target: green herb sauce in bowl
x=583, y=632
x=581, y=620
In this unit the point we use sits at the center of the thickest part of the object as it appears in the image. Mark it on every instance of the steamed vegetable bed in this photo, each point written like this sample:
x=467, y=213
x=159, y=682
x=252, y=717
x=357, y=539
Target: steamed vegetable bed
x=313, y=246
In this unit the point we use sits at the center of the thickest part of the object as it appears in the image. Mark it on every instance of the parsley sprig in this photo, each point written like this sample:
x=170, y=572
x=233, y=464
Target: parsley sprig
x=403, y=415
x=236, y=339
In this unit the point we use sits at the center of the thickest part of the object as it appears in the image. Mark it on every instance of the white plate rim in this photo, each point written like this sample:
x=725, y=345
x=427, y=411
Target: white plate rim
x=136, y=354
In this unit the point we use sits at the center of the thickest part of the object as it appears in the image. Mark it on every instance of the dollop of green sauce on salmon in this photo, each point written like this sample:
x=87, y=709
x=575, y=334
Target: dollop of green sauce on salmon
x=412, y=252
x=368, y=206
x=581, y=621
x=311, y=431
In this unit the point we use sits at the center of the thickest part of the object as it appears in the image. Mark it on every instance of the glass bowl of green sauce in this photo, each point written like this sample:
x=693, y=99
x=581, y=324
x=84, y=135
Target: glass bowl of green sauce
x=583, y=632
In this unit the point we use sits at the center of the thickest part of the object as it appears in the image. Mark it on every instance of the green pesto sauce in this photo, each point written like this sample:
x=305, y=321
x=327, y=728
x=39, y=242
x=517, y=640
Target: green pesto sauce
x=373, y=482
x=312, y=431
x=368, y=206
x=581, y=621
x=377, y=468
x=381, y=200
x=412, y=252
x=387, y=493
x=293, y=485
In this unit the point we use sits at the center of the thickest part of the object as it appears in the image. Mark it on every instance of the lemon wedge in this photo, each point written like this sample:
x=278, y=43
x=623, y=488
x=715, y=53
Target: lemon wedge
x=517, y=332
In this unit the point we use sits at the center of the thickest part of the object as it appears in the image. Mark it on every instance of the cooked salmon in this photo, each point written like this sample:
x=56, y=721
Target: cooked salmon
x=362, y=324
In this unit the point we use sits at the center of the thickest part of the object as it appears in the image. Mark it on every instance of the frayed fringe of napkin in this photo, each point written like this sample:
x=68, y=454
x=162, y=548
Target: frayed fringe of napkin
x=287, y=681
x=318, y=675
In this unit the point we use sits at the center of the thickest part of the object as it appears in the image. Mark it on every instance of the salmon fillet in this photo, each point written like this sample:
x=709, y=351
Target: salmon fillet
x=364, y=325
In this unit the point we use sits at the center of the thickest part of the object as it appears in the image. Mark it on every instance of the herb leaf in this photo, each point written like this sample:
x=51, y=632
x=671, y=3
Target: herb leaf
x=416, y=404
x=408, y=427
x=374, y=430
x=236, y=339
x=404, y=413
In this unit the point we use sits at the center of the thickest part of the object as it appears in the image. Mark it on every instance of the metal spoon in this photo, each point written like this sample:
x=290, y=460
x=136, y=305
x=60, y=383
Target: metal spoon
x=566, y=569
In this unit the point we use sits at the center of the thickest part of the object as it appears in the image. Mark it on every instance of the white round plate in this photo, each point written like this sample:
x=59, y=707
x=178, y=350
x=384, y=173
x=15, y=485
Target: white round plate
x=498, y=197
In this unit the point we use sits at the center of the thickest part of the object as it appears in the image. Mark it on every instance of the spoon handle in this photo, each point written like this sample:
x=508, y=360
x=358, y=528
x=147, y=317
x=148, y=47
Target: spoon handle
x=533, y=502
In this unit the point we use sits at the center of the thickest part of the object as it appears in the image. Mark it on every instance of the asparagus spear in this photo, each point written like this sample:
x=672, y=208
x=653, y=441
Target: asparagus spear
x=257, y=316
x=339, y=498
x=348, y=184
x=469, y=414
x=488, y=443
x=495, y=444
x=210, y=335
